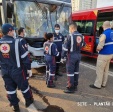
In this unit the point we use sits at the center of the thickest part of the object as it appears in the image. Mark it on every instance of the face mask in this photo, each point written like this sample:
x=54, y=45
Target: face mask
x=57, y=31
x=25, y=34
x=70, y=32
x=14, y=34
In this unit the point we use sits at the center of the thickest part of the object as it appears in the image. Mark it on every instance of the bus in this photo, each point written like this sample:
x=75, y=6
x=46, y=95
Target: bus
x=89, y=23
x=37, y=17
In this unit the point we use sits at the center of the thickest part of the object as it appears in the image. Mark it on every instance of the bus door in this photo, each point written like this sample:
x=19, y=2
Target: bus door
x=87, y=29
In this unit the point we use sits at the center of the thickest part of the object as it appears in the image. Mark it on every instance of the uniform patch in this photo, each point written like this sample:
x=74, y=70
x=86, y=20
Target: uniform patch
x=79, y=39
x=4, y=48
x=46, y=49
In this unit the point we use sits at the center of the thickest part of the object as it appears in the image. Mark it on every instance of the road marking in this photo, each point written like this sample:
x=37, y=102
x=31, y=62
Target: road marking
x=101, y=96
x=31, y=108
x=93, y=67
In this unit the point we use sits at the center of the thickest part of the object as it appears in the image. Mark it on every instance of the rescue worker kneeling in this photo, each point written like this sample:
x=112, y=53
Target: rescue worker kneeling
x=50, y=51
x=72, y=48
x=13, y=57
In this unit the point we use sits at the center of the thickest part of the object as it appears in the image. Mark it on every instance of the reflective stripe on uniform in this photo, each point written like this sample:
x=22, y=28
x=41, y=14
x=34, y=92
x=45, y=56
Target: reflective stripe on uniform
x=78, y=34
x=50, y=48
x=76, y=73
x=57, y=62
x=8, y=42
x=26, y=90
x=57, y=40
x=70, y=74
x=71, y=42
x=83, y=37
x=83, y=41
x=58, y=54
x=65, y=49
x=82, y=44
x=17, y=52
x=21, y=39
x=11, y=92
x=51, y=74
x=25, y=54
x=109, y=43
x=47, y=71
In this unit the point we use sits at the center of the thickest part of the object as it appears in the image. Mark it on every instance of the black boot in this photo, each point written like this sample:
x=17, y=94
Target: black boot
x=50, y=84
x=58, y=74
x=69, y=90
x=55, y=78
x=75, y=88
x=16, y=108
x=29, y=101
x=76, y=76
x=57, y=70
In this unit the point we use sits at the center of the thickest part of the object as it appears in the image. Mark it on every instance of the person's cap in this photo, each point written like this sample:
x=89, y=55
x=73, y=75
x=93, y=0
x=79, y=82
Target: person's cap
x=57, y=25
x=7, y=27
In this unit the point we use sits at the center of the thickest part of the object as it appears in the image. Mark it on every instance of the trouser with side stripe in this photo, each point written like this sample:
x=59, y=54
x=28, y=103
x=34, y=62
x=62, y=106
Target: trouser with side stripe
x=58, y=59
x=50, y=68
x=72, y=67
x=16, y=78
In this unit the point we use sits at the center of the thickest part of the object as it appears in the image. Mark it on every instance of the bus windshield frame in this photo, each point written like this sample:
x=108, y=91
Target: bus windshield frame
x=38, y=18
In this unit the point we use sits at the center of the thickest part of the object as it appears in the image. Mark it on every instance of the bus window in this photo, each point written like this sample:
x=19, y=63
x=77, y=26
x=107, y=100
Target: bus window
x=85, y=27
x=38, y=18
x=99, y=29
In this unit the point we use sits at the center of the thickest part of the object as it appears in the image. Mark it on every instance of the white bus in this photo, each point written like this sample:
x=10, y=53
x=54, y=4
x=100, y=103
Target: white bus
x=37, y=17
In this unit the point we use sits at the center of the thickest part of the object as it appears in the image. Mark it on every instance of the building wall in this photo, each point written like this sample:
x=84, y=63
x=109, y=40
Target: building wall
x=83, y=4
x=94, y=4
x=75, y=5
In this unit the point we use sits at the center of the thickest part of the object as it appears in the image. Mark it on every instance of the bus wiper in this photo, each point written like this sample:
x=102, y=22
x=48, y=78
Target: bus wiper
x=44, y=13
x=60, y=10
x=49, y=18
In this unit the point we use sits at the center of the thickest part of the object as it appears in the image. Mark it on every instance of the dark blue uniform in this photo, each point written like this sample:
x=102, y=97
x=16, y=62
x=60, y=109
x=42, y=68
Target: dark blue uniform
x=72, y=48
x=24, y=43
x=50, y=51
x=12, y=57
x=58, y=40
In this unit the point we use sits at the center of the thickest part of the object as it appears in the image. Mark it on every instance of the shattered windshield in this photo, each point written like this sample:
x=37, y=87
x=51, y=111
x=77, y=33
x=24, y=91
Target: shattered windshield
x=38, y=18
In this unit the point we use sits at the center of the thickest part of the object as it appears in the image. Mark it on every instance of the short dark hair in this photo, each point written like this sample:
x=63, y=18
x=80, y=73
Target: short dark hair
x=73, y=25
x=57, y=26
x=48, y=36
x=20, y=30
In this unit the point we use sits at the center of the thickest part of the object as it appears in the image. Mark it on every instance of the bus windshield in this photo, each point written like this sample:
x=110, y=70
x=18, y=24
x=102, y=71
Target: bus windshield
x=38, y=18
x=85, y=27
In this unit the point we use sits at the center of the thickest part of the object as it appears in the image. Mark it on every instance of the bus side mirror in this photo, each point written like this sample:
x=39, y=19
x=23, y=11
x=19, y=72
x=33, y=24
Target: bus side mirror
x=10, y=9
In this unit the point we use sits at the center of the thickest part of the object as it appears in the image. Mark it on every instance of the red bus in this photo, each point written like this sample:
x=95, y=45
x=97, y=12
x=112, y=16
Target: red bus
x=90, y=25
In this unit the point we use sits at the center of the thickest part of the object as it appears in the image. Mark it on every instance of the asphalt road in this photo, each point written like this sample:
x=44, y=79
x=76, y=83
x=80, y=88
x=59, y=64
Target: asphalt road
x=92, y=61
x=55, y=100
